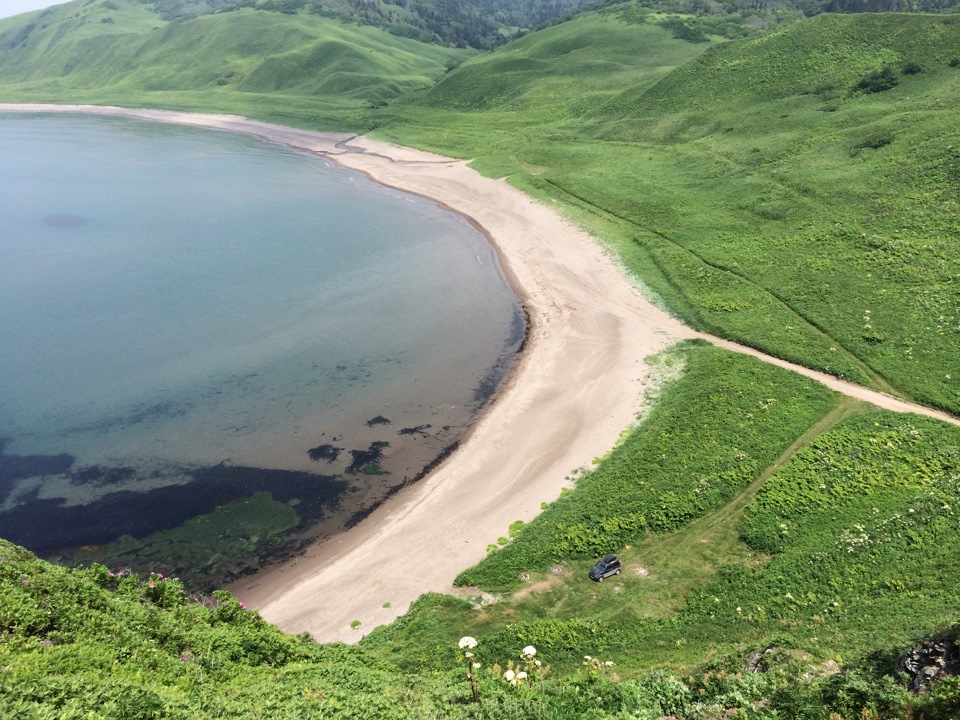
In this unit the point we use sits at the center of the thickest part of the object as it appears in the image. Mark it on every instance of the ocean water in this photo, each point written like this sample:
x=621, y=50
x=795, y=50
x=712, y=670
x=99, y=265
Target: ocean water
x=190, y=319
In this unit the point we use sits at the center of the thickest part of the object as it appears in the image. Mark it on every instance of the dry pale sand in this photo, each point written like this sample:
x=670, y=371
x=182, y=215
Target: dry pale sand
x=580, y=382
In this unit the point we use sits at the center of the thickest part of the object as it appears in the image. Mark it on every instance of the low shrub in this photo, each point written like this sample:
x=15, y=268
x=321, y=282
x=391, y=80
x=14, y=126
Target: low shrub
x=911, y=68
x=682, y=30
x=872, y=141
x=878, y=80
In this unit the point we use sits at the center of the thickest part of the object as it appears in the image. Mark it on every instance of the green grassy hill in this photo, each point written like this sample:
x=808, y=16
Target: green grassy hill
x=827, y=51
x=302, y=69
x=501, y=108
x=767, y=189
x=562, y=69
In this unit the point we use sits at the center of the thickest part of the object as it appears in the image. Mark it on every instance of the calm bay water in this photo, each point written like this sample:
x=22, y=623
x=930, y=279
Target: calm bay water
x=190, y=319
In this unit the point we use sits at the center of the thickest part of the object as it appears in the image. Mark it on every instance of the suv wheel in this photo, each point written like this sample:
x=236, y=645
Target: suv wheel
x=618, y=571
x=600, y=579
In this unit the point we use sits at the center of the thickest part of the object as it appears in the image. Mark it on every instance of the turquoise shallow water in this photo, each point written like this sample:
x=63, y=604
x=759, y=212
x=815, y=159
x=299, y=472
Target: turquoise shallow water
x=175, y=299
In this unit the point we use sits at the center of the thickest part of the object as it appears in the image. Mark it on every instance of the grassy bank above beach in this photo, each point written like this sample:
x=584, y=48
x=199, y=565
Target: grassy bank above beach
x=804, y=211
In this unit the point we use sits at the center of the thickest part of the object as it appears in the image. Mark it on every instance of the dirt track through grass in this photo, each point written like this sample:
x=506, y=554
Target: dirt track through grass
x=851, y=390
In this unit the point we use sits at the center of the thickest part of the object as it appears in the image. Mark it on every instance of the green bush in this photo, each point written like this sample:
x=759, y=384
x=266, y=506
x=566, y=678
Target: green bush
x=872, y=141
x=911, y=68
x=878, y=80
x=684, y=30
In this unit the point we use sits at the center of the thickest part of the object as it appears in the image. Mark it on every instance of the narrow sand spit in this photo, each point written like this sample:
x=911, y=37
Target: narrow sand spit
x=579, y=383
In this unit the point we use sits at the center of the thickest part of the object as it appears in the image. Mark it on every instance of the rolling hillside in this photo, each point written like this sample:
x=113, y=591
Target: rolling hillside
x=788, y=553
x=302, y=69
x=767, y=190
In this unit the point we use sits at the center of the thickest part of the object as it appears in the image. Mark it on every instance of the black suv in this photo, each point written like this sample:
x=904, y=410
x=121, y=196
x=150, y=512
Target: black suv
x=610, y=565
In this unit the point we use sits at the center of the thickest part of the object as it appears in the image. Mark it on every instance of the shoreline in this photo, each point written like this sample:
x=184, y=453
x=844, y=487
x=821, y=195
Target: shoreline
x=579, y=380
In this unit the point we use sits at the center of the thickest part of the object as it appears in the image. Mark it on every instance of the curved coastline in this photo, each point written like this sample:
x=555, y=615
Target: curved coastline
x=578, y=382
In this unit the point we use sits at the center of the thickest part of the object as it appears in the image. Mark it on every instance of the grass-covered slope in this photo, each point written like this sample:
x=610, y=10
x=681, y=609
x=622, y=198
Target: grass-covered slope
x=767, y=189
x=797, y=191
x=308, y=69
x=561, y=70
x=832, y=51
x=93, y=643
x=739, y=413
x=839, y=552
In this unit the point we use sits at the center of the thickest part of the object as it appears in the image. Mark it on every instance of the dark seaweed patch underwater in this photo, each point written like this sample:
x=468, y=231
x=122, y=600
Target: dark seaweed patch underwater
x=52, y=526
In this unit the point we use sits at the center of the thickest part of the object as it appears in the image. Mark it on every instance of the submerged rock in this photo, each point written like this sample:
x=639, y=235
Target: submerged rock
x=418, y=430
x=326, y=452
x=364, y=458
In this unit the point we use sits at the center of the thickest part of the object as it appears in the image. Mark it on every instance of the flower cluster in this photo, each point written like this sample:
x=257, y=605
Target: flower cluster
x=162, y=590
x=517, y=674
x=527, y=670
x=467, y=645
x=228, y=609
x=515, y=678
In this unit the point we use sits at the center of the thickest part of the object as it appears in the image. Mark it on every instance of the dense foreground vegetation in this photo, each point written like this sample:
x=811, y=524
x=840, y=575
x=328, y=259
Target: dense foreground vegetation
x=817, y=557
x=798, y=191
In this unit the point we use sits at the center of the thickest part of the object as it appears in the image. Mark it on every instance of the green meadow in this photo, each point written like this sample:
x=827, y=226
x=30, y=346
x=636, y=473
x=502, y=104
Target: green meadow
x=796, y=189
x=771, y=202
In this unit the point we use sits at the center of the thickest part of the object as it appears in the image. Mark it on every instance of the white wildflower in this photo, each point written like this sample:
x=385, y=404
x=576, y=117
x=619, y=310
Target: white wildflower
x=467, y=642
x=521, y=675
x=529, y=651
x=509, y=676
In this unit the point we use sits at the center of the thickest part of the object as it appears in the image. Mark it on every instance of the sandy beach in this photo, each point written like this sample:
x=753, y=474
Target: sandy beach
x=580, y=381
